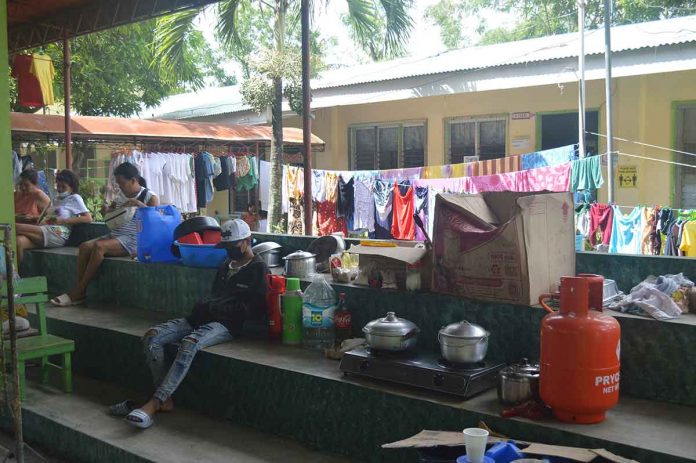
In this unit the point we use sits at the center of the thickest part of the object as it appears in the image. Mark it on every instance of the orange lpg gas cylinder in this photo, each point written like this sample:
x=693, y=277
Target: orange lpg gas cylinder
x=580, y=352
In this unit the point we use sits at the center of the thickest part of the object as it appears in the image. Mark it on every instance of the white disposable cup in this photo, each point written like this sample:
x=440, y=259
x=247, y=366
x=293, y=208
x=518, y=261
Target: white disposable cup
x=475, y=440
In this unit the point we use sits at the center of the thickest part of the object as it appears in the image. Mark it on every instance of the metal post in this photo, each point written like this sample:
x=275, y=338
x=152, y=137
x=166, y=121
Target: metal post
x=607, y=85
x=581, y=84
x=66, y=88
x=16, y=405
x=306, y=120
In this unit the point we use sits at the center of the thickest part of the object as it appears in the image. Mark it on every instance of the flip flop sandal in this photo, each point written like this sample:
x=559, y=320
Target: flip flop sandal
x=64, y=301
x=139, y=419
x=122, y=408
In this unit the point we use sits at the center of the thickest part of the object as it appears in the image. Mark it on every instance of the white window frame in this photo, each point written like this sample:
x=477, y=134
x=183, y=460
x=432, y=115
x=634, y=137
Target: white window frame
x=352, y=144
x=477, y=132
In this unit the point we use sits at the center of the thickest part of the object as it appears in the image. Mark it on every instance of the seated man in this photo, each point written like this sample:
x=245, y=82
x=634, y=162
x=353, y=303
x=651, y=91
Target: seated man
x=238, y=295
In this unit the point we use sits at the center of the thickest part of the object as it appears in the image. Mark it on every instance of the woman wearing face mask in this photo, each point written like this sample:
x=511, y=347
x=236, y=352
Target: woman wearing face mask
x=121, y=242
x=30, y=201
x=238, y=296
x=67, y=210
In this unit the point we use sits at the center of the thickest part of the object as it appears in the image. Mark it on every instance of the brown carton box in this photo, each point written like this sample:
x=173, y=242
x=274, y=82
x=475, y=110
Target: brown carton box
x=396, y=259
x=503, y=246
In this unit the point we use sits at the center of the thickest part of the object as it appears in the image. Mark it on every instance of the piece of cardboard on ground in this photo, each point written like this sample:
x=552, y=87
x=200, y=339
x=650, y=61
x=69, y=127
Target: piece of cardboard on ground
x=428, y=438
x=502, y=246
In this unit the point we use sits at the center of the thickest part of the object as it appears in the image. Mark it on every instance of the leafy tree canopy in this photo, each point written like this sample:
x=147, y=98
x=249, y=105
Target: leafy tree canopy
x=543, y=17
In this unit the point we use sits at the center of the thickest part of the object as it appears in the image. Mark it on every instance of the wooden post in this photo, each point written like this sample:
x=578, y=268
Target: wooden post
x=306, y=120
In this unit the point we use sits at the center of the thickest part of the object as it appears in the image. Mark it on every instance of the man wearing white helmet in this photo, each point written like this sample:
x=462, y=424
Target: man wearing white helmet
x=238, y=295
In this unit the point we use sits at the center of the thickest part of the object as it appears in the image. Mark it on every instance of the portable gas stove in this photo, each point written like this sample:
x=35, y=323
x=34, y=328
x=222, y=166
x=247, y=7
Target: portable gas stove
x=426, y=371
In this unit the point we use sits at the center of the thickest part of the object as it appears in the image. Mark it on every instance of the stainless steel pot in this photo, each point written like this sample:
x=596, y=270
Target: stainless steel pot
x=518, y=383
x=300, y=264
x=463, y=342
x=269, y=252
x=391, y=333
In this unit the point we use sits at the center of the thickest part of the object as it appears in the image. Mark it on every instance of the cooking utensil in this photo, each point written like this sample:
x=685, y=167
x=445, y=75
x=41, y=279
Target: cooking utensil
x=463, y=342
x=269, y=252
x=324, y=247
x=300, y=264
x=518, y=383
x=391, y=333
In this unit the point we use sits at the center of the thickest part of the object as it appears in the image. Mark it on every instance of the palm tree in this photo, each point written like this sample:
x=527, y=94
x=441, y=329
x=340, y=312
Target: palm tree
x=379, y=27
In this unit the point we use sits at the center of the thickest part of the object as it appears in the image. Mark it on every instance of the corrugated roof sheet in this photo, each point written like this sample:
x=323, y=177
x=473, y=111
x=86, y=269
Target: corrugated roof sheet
x=116, y=127
x=227, y=100
x=623, y=38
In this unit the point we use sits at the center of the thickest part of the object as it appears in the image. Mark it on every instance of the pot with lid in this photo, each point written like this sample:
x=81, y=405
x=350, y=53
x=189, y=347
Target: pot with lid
x=391, y=333
x=299, y=264
x=518, y=383
x=269, y=252
x=463, y=342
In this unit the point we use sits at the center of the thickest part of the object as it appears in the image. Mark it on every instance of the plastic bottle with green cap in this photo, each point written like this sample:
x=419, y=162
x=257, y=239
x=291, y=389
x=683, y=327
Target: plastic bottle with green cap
x=291, y=305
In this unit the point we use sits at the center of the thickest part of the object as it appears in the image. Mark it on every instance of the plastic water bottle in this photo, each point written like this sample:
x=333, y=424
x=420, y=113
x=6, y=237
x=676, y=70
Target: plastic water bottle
x=318, y=308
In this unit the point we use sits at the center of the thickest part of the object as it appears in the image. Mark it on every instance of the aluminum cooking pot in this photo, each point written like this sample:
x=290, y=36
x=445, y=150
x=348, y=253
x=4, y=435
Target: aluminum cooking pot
x=391, y=333
x=463, y=342
x=269, y=252
x=300, y=264
x=518, y=383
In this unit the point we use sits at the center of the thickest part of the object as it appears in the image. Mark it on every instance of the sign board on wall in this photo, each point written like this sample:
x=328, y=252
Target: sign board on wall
x=521, y=143
x=520, y=116
x=627, y=176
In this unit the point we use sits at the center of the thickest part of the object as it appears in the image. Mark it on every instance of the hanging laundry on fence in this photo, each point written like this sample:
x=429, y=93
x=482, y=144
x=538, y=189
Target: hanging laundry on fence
x=627, y=231
x=551, y=157
x=403, y=226
x=586, y=174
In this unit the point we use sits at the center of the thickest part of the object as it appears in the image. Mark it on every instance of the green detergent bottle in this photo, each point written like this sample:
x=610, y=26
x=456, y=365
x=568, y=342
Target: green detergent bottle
x=291, y=306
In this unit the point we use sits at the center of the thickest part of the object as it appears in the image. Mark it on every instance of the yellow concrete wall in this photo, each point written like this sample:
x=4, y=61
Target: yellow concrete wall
x=643, y=111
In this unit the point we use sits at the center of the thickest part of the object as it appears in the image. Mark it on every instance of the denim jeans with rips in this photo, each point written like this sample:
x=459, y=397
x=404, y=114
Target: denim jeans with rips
x=191, y=341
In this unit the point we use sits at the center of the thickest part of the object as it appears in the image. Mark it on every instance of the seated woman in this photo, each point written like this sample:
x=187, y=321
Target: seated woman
x=121, y=242
x=67, y=210
x=30, y=201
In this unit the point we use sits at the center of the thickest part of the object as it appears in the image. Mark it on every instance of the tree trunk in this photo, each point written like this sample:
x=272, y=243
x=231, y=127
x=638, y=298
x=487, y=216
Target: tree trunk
x=275, y=215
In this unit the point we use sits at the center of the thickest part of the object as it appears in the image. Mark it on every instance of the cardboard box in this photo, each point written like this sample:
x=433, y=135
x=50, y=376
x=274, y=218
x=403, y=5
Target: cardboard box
x=503, y=246
x=396, y=259
x=428, y=439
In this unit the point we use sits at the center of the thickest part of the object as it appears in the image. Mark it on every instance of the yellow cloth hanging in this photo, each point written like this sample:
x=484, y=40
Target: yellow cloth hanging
x=42, y=68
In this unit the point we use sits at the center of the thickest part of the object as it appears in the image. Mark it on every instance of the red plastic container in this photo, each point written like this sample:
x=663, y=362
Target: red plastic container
x=276, y=288
x=211, y=236
x=191, y=238
x=580, y=355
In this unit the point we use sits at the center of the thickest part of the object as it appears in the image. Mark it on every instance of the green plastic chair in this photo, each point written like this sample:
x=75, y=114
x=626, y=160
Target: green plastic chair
x=43, y=346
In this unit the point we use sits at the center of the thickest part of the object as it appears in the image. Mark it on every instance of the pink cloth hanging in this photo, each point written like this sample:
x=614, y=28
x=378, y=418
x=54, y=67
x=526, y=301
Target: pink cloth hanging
x=552, y=178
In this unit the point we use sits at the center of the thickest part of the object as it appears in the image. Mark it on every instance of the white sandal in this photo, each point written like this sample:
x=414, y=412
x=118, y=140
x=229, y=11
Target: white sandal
x=139, y=419
x=64, y=301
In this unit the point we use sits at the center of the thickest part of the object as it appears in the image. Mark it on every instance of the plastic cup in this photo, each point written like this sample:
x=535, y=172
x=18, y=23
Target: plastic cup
x=475, y=440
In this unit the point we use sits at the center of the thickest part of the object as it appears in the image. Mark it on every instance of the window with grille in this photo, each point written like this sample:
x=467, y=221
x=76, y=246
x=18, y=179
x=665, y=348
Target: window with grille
x=387, y=146
x=481, y=137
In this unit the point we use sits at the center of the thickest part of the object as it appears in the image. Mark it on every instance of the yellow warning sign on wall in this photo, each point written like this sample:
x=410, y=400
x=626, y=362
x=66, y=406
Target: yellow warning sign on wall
x=627, y=176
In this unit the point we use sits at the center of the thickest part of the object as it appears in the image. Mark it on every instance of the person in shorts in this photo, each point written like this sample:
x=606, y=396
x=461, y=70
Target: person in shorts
x=67, y=209
x=121, y=242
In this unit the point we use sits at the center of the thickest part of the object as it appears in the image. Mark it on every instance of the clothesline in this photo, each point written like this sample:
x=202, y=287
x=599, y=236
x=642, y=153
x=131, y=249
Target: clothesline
x=643, y=144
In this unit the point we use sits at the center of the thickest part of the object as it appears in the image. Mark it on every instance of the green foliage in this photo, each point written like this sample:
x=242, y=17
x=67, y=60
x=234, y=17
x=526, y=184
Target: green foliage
x=257, y=90
x=448, y=15
x=93, y=195
x=115, y=73
x=543, y=17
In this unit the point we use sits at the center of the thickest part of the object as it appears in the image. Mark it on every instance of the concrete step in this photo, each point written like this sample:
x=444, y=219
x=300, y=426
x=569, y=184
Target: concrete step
x=299, y=394
x=78, y=427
